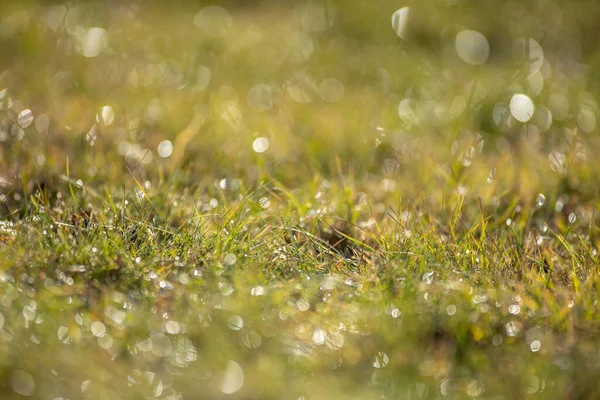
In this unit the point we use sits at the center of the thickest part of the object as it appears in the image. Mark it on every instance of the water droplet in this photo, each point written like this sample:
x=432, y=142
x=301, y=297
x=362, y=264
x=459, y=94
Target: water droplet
x=300, y=47
x=512, y=328
x=203, y=76
x=93, y=42
x=172, y=327
x=105, y=342
x=214, y=20
x=451, y=309
x=25, y=118
x=252, y=340
x=540, y=200
x=318, y=16
x=22, y=383
x=559, y=106
x=406, y=110
x=260, y=145
x=535, y=345
x=257, y=291
x=160, y=345
x=542, y=118
x=472, y=47
x=165, y=148
x=381, y=360
x=29, y=312
x=54, y=15
x=318, y=336
x=572, y=218
x=331, y=90
x=230, y=259
x=586, y=120
x=535, y=58
x=264, y=202
x=536, y=83
x=400, y=21
x=558, y=162
x=232, y=379
x=235, y=322
x=260, y=98
x=42, y=122
x=105, y=116
x=302, y=305
x=514, y=309
x=428, y=277
x=98, y=329
x=521, y=107
x=475, y=388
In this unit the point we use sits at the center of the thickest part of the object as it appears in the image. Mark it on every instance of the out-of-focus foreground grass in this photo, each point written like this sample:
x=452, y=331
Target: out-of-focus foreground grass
x=301, y=199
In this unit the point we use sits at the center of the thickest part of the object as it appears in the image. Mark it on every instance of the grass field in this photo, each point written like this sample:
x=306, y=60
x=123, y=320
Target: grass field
x=299, y=200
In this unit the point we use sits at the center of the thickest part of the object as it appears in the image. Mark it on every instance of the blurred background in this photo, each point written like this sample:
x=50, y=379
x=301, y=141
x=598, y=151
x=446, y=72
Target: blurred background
x=267, y=89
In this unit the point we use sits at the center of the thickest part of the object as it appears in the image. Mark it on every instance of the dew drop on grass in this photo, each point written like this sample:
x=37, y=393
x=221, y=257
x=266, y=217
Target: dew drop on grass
x=301, y=47
x=25, y=118
x=558, y=106
x=400, y=21
x=165, y=148
x=318, y=337
x=514, y=309
x=105, y=116
x=160, y=345
x=521, y=107
x=472, y=47
x=572, y=218
x=302, y=305
x=235, y=322
x=540, y=200
x=318, y=16
x=260, y=97
x=230, y=259
x=406, y=110
x=428, y=277
x=451, y=309
x=381, y=360
x=542, y=118
x=214, y=20
x=203, y=76
x=586, y=120
x=232, y=379
x=22, y=383
x=558, y=162
x=98, y=329
x=54, y=15
x=172, y=327
x=331, y=90
x=105, y=342
x=42, y=122
x=535, y=345
x=260, y=145
x=536, y=83
x=252, y=340
x=530, y=52
x=93, y=43
x=257, y=291
x=264, y=202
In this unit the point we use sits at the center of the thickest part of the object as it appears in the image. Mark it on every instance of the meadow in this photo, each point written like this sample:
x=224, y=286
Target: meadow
x=310, y=199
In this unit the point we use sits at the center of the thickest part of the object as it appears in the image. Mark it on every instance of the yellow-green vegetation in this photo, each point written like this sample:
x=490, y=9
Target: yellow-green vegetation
x=317, y=199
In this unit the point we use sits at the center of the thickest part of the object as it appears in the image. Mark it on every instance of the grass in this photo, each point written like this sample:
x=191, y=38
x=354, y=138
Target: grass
x=299, y=204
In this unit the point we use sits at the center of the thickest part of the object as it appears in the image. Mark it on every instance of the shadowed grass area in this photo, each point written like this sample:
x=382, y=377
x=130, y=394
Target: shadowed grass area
x=303, y=200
